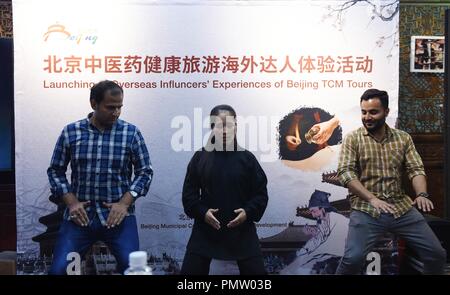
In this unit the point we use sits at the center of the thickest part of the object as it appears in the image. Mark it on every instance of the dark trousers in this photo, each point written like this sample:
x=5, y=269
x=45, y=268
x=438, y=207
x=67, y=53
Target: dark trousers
x=194, y=264
x=412, y=227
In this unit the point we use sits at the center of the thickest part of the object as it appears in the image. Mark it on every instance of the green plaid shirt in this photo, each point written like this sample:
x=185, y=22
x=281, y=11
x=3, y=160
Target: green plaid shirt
x=379, y=167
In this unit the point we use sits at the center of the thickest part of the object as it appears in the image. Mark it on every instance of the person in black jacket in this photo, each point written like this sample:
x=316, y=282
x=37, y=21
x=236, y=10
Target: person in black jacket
x=225, y=191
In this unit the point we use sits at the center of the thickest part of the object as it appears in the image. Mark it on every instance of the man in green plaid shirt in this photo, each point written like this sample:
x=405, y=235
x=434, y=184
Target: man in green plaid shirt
x=371, y=164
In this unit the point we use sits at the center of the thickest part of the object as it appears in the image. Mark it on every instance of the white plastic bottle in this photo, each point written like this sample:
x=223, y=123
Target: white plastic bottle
x=138, y=264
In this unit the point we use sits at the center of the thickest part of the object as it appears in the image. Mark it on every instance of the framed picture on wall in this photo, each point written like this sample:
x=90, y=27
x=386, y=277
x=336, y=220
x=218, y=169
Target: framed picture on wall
x=427, y=54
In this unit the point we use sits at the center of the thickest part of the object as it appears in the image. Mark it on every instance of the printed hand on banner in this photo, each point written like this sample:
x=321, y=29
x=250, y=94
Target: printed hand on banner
x=326, y=129
x=294, y=141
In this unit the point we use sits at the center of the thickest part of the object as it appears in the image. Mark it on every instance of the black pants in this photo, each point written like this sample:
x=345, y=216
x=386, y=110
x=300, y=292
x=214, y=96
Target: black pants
x=194, y=264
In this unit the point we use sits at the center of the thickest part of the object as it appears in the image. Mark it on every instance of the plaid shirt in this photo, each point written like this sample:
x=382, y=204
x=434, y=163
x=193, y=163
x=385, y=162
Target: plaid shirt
x=101, y=164
x=379, y=167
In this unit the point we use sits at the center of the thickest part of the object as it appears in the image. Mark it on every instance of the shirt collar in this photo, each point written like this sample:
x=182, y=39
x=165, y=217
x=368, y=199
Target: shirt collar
x=388, y=132
x=88, y=120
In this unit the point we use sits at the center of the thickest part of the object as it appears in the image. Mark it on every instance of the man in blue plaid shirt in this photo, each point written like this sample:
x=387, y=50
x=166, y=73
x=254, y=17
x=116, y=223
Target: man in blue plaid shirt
x=103, y=152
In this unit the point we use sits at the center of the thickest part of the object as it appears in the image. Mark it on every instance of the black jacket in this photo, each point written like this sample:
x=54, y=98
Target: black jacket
x=227, y=181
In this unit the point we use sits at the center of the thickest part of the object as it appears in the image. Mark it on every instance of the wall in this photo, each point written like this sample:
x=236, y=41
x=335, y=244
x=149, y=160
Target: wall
x=6, y=19
x=7, y=191
x=421, y=95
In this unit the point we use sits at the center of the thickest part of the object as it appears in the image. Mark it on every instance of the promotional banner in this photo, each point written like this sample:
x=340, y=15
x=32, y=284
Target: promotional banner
x=290, y=69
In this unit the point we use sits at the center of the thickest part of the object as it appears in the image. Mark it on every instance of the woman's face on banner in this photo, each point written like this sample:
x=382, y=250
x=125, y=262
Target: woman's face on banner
x=224, y=127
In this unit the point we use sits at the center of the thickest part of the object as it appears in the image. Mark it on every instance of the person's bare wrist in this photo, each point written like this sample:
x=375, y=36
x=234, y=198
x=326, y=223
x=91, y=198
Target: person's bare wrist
x=124, y=203
x=126, y=200
x=372, y=199
x=335, y=122
x=70, y=200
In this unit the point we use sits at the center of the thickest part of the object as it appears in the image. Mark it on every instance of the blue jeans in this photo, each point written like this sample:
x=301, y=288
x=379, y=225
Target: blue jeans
x=412, y=227
x=121, y=240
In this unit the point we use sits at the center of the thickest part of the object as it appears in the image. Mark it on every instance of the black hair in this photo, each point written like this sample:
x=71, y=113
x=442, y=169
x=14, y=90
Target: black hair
x=220, y=108
x=215, y=112
x=98, y=90
x=375, y=93
x=207, y=158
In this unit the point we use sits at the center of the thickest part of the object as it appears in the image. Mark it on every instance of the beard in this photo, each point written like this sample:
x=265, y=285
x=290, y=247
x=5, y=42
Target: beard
x=374, y=125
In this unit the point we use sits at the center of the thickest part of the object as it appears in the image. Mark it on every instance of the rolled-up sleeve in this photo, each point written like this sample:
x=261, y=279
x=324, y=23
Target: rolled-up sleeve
x=348, y=158
x=413, y=161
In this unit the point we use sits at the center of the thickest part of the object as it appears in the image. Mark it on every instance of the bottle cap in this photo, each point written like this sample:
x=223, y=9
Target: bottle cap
x=138, y=258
